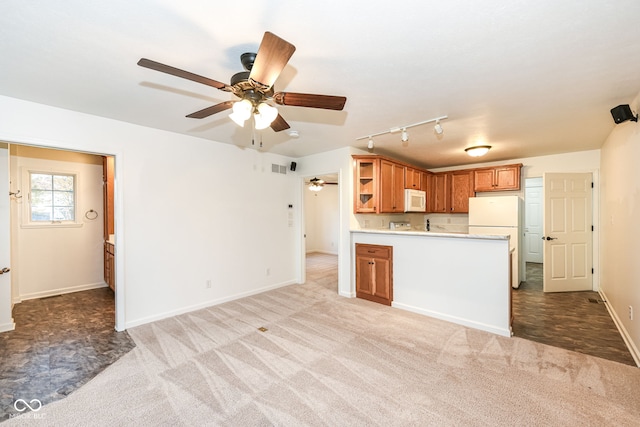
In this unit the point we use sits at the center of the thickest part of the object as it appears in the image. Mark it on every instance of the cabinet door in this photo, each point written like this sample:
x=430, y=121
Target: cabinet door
x=381, y=278
x=365, y=186
x=391, y=187
x=412, y=178
x=461, y=190
x=439, y=183
x=484, y=180
x=507, y=178
x=364, y=278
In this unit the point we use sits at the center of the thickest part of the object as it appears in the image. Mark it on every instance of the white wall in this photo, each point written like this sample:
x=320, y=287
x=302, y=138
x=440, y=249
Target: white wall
x=322, y=219
x=55, y=260
x=188, y=210
x=620, y=209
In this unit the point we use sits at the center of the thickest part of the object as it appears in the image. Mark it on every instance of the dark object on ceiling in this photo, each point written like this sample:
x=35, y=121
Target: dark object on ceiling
x=622, y=113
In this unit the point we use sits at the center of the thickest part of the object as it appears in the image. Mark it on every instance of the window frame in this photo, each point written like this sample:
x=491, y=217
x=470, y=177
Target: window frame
x=27, y=219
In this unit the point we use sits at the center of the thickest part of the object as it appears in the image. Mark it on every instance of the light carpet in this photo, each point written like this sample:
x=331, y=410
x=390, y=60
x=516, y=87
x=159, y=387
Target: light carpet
x=325, y=360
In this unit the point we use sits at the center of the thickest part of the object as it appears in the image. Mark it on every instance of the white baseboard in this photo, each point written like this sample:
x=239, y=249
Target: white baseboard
x=505, y=332
x=205, y=304
x=6, y=327
x=314, y=251
x=623, y=331
x=54, y=292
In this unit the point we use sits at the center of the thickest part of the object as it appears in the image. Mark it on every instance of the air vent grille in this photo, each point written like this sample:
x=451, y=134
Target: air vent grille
x=279, y=168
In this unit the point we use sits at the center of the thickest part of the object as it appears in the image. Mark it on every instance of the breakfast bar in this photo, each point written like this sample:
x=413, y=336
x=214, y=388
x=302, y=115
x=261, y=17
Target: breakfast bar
x=460, y=278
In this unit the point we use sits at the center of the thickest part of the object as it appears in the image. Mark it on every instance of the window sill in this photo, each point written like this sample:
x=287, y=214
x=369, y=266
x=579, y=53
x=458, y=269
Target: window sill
x=54, y=225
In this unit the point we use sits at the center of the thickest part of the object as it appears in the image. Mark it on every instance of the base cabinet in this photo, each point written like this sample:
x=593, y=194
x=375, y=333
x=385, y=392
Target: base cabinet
x=109, y=265
x=374, y=273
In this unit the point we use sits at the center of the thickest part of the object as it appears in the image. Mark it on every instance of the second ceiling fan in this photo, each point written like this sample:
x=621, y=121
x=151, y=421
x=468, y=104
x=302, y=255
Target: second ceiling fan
x=254, y=86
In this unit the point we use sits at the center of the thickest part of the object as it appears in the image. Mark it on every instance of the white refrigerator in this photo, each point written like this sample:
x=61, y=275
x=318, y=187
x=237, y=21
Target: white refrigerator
x=499, y=215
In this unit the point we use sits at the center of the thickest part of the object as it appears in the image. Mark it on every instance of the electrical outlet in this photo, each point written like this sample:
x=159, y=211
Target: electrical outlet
x=630, y=312
x=209, y=284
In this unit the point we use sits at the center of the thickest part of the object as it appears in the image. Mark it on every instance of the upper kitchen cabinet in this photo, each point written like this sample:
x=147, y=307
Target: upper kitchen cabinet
x=460, y=191
x=449, y=192
x=414, y=179
x=366, y=184
x=438, y=191
x=391, y=187
x=498, y=178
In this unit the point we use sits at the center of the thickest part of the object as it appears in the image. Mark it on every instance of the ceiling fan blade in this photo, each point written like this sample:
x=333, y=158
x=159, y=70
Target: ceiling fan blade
x=273, y=55
x=153, y=65
x=209, y=111
x=327, y=102
x=279, y=124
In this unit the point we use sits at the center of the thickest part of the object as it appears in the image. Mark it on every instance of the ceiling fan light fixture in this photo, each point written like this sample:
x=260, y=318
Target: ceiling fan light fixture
x=478, y=150
x=241, y=112
x=316, y=184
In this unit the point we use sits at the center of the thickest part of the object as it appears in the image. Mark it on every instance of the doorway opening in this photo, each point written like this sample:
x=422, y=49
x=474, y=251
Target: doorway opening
x=66, y=251
x=321, y=221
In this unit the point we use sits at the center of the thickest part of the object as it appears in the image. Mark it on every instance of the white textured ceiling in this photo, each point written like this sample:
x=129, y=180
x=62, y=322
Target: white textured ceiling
x=528, y=78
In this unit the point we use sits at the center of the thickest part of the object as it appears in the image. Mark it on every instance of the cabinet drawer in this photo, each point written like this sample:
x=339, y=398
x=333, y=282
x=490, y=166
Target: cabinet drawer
x=373, y=251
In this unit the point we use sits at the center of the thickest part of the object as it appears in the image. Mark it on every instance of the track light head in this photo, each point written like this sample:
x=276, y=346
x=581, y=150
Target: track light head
x=437, y=128
x=370, y=144
x=405, y=136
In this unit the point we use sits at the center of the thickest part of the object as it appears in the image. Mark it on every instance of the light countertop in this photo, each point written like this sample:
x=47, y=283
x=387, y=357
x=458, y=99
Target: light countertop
x=431, y=234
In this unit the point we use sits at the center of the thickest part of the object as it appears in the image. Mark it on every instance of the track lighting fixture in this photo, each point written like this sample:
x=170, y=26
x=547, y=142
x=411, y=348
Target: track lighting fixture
x=478, y=150
x=437, y=128
x=405, y=135
x=370, y=144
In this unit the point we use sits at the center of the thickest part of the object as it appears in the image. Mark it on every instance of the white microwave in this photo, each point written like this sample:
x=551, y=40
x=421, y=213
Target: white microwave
x=415, y=201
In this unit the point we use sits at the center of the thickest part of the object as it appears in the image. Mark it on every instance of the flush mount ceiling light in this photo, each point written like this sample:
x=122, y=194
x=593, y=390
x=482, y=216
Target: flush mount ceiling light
x=405, y=135
x=478, y=150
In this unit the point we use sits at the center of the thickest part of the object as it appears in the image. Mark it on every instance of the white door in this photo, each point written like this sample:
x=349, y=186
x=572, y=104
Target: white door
x=6, y=321
x=533, y=220
x=567, y=232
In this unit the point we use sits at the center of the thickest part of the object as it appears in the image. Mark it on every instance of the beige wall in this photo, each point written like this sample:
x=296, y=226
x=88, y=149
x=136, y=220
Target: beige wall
x=620, y=213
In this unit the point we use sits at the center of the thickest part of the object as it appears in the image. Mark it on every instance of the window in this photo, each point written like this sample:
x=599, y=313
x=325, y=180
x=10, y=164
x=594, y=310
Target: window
x=53, y=197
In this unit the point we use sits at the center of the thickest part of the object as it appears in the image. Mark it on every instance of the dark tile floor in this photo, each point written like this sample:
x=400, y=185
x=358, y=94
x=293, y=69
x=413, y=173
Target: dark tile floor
x=567, y=320
x=59, y=344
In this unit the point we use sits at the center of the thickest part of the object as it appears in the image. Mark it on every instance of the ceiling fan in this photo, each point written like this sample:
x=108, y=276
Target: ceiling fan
x=316, y=184
x=254, y=86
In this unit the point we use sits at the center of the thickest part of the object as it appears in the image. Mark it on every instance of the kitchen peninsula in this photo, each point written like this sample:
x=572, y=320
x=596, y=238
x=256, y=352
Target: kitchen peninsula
x=460, y=278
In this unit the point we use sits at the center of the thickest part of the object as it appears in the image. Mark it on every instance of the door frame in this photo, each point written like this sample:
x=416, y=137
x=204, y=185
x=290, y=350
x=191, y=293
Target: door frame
x=119, y=321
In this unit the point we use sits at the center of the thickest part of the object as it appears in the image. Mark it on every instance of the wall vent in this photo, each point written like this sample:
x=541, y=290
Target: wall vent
x=278, y=168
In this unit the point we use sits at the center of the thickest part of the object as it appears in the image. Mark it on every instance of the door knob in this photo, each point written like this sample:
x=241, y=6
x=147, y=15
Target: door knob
x=5, y=270
x=549, y=238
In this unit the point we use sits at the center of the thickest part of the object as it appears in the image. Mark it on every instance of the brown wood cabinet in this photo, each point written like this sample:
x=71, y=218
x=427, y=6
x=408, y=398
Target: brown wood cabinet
x=413, y=178
x=391, y=187
x=498, y=178
x=109, y=265
x=366, y=184
x=437, y=199
x=460, y=191
x=450, y=191
x=374, y=273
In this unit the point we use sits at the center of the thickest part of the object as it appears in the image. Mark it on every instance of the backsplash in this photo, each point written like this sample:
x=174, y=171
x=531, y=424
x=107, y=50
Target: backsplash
x=448, y=223
x=444, y=223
